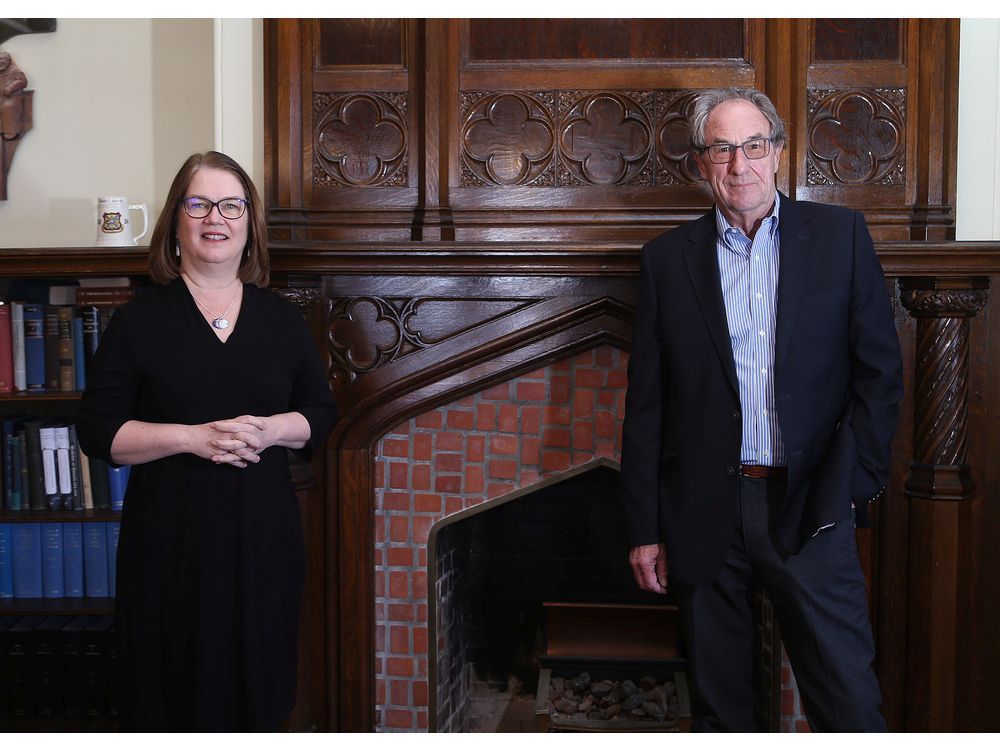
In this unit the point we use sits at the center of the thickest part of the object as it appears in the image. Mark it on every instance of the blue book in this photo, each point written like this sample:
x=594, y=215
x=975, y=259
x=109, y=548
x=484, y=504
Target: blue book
x=27, y=560
x=73, y=558
x=117, y=484
x=53, y=583
x=114, y=527
x=6, y=562
x=78, y=356
x=95, y=559
x=34, y=346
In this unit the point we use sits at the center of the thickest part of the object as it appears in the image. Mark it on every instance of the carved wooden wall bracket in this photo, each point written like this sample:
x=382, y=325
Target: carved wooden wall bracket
x=15, y=114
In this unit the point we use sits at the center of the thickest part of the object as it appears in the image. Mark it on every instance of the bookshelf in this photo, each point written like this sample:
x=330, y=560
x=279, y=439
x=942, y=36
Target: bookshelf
x=45, y=710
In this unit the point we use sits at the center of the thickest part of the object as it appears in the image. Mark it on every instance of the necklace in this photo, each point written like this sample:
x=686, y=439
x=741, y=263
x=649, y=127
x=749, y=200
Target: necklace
x=221, y=322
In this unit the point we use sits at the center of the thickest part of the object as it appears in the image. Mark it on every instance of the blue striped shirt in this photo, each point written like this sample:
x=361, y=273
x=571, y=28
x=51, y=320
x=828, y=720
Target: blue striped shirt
x=749, y=273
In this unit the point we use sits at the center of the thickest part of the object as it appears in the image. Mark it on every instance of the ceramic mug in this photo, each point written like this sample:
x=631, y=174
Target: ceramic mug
x=114, y=228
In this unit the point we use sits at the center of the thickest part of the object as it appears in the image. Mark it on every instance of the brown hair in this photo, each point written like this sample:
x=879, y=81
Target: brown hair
x=164, y=265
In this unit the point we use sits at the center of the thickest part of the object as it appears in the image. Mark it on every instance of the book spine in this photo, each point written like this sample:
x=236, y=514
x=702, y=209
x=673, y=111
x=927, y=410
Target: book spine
x=50, y=319
x=53, y=582
x=118, y=484
x=6, y=561
x=72, y=654
x=17, y=343
x=97, y=643
x=20, y=660
x=67, y=355
x=73, y=558
x=33, y=464
x=47, y=440
x=64, y=470
x=6, y=349
x=11, y=483
x=79, y=367
x=48, y=667
x=75, y=469
x=95, y=559
x=27, y=560
x=91, y=316
x=114, y=529
x=88, y=487
x=34, y=346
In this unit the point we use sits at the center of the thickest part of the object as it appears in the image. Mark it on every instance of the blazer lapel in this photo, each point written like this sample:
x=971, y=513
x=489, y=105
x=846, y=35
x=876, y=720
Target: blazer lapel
x=703, y=267
x=794, y=252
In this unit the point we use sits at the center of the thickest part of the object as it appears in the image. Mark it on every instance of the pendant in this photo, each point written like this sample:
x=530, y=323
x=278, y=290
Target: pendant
x=220, y=323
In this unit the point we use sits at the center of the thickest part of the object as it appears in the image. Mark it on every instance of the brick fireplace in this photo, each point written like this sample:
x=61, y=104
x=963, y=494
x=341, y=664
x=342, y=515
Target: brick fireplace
x=459, y=459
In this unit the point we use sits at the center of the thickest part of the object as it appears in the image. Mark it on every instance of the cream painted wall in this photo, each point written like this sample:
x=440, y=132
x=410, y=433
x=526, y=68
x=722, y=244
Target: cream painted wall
x=98, y=128
x=96, y=78
x=978, y=200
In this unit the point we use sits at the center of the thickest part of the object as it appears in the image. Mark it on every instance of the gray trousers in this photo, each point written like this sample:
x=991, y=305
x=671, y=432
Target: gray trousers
x=820, y=603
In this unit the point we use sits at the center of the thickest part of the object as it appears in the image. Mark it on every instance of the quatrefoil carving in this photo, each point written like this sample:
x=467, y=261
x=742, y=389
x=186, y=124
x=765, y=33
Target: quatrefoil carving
x=605, y=138
x=361, y=140
x=856, y=137
x=508, y=139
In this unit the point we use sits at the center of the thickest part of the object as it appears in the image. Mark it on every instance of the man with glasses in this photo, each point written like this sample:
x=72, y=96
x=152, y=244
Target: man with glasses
x=764, y=387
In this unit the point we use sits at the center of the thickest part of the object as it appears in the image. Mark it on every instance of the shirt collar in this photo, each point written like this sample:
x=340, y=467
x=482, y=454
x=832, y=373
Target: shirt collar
x=722, y=225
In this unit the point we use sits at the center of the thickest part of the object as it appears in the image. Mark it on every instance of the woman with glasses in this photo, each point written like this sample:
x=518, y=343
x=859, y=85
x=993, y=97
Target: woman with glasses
x=200, y=384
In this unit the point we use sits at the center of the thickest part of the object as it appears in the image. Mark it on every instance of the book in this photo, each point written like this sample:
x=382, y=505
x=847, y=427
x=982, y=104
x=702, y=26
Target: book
x=72, y=657
x=50, y=318
x=64, y=473
x=27, y=538
x=114, y=529
x=91, y=317
x=66, y=350
x=31, y=439
x=98, y=643
x=47, y=441
x=12, y=478
x=34, y=346
x=104, y=296
x=79, y=368
x=6, y=688
x=6, y=349
x=53, y=582
x=95, y=559
x=11, y=464
x=48, y=667
x=76, y=470
x=73, y=559
x=117, y=485
x=88, y=487
x=20, y=666
x=6, y=561
x=17, y=342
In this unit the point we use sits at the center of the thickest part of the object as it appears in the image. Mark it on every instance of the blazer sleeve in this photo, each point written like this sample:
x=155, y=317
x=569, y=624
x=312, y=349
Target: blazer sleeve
x=641, y=432
x=876, y=369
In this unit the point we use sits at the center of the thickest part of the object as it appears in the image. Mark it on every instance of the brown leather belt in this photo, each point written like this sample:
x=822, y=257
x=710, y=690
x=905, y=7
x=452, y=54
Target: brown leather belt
x=755, y=471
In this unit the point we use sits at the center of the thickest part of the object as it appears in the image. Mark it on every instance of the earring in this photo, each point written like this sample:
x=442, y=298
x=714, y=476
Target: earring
x=177, y=248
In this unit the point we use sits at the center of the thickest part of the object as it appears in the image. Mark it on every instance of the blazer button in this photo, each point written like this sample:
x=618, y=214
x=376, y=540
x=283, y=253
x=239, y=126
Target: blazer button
x=735, y=414
x=731, y=471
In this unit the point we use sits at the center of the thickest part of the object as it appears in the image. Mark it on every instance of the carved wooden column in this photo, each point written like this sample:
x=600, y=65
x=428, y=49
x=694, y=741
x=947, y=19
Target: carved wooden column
x=939, y=483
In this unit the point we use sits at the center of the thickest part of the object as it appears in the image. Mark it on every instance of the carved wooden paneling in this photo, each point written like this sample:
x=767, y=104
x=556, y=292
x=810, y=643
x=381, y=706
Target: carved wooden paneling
x=365, y=333
x=361, y=41
x=605, y=38
x=857, y=39
x=576, y=139
x=856, y=137
x=360, y=139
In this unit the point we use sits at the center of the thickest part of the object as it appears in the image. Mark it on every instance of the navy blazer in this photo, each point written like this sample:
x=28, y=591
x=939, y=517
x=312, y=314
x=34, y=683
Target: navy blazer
x=837, y=384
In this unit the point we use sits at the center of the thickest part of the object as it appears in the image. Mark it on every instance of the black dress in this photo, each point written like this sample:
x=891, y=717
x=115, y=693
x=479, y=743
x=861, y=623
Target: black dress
x=210, y=557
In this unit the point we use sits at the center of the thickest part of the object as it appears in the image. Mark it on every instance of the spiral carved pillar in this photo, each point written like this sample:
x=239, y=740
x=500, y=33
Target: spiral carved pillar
x=939, y=483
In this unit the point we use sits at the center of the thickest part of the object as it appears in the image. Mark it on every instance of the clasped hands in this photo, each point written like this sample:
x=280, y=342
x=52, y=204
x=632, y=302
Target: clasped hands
x=239, y=441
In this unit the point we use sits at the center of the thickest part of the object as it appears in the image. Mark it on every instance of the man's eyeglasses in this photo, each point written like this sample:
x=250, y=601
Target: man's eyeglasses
x=723, y=153
x=229, y=208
